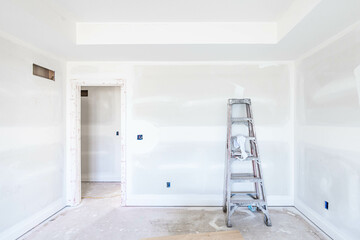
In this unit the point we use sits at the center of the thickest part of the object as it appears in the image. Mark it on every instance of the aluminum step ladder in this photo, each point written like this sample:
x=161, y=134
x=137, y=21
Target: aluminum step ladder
x=245, y=152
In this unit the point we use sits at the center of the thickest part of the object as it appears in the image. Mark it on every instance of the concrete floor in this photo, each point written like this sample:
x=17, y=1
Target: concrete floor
x=100, y=216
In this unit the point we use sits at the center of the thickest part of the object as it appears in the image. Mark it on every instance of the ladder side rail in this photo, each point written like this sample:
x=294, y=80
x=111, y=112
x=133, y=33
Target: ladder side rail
x=264, y=207
x=227, y=155
x=229, y=207
x=252, y=149
x=263, y=192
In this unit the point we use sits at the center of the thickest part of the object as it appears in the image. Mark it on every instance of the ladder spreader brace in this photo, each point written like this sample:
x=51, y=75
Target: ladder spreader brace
x=235, y=199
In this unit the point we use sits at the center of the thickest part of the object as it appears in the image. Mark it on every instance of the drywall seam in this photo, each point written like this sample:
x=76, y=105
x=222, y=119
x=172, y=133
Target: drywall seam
x=295, y=129
x=29, y=223
x=73, y=149
x=328, y=42
x=292, y=122
x=64, y=131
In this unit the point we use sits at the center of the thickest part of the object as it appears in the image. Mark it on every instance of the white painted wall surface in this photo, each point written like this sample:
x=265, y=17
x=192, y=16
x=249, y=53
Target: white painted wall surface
x=100, y=146
x=31, y=139
x=180, y=109
x=328, y=136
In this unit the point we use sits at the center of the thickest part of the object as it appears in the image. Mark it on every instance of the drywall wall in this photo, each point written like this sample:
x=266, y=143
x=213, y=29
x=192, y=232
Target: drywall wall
x=328, y=136
x=31, y=139
x=180, y=109
x=100, y=145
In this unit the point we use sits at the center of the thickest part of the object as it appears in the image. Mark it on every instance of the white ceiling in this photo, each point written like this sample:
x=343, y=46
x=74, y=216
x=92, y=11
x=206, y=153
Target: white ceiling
x=51, y=27
x=173, y=10
x=205, y=32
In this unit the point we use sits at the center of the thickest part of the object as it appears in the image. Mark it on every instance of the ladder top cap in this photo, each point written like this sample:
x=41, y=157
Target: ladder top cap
x=239, y=101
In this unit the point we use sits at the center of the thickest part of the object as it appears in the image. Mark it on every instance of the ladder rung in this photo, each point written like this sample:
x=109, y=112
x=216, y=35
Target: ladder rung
x=250, y=158
x=240, y=101
x=244, y=177
x=247, y=202
x=247, y=138
x=244, y=193
x=241, y=120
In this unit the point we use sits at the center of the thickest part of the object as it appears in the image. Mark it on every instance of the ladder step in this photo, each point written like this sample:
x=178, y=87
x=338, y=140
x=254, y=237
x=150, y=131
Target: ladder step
x=241, y=120
x=244, y=177
x=239, y=101
x=247, y=202
x=247, y=138
x=250, y=158
x=242, y=193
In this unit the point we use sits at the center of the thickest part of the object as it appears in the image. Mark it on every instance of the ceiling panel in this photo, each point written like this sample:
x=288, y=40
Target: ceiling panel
x=174, y=10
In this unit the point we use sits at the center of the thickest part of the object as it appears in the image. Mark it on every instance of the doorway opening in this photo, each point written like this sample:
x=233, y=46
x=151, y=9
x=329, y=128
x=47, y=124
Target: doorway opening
x=100, y=142
x=74, y=141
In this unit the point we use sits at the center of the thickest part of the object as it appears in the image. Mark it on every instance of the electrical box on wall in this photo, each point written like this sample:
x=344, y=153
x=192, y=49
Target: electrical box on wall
x=84, y=93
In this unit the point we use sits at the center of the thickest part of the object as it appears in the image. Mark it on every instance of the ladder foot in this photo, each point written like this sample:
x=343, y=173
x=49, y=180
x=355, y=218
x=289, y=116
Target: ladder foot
x=224, y=208
x=228, y=223
x=267, y=221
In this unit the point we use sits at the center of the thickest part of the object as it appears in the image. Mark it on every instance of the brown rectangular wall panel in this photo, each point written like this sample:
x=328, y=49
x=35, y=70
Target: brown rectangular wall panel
x=43, y=72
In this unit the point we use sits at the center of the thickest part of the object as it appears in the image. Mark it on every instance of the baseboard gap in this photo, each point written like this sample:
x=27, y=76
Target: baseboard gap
x=313, y=223
x=27, y=232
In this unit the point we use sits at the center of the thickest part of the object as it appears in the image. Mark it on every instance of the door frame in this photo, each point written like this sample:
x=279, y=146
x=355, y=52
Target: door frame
x=73, y=137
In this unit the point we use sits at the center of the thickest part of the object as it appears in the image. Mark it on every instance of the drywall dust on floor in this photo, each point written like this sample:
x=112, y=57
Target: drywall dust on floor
x=100, y=190
x=102, y=217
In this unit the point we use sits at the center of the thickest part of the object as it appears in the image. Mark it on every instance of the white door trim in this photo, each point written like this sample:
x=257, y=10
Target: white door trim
x=73, y=137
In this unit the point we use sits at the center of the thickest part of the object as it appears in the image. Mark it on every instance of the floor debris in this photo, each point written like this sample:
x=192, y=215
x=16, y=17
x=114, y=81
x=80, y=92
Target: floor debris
x=225, y=235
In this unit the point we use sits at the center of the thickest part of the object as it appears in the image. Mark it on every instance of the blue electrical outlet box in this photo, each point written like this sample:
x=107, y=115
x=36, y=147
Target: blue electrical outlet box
x=168, y=184
x=326, y=205
x=139, y=137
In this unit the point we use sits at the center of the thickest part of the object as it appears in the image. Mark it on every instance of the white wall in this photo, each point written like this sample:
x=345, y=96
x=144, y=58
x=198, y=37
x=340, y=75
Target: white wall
x=328, y=136
x=31, y=139
x=180, y=109
x=100, y=146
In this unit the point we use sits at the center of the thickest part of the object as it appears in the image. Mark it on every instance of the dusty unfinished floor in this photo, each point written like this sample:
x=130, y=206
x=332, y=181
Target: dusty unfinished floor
x=100, y=216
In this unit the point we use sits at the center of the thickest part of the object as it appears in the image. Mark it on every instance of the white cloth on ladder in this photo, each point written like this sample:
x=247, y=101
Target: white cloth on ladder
x=239, y=142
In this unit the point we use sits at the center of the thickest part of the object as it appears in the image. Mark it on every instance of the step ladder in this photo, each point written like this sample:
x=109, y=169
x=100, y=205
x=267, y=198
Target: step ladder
x=240, y=126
